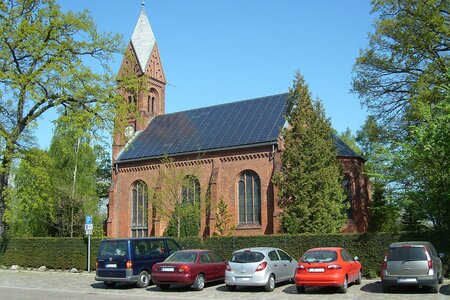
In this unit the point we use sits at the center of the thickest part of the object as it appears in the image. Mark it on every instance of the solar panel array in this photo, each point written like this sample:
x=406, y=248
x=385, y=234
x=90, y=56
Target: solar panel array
x=243, y=123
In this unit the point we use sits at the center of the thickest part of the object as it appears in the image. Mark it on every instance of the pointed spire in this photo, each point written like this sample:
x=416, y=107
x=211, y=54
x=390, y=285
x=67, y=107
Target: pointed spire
x=143, y=39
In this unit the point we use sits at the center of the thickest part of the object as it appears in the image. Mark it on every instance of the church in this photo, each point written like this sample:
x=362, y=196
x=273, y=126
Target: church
x=233, y=150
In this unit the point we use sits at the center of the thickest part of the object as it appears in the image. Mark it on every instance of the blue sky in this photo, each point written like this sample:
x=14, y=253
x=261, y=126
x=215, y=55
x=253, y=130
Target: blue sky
x=229, y=50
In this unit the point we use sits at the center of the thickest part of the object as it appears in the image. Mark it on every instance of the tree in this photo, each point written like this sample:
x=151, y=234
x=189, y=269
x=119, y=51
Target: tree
x=311, y=194
x=406, y=61
x=177, y=198
x=348, y=138
x=403, y=79
x=223, y=219
x=31, y=201
x=43, y=67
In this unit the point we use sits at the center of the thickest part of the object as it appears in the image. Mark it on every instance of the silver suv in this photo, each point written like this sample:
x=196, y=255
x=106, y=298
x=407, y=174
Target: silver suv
x=412, y=263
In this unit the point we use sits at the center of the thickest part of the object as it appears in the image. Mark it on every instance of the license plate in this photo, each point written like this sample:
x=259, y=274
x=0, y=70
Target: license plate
x=243, y=279
x=167, y=269
x=407, y=280
x=316, y=270
x=111, y=266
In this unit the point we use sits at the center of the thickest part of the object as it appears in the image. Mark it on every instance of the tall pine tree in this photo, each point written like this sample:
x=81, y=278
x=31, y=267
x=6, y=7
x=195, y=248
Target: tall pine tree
x=310, y=190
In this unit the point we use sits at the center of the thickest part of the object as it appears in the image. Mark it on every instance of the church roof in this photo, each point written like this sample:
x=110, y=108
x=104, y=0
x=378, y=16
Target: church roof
x=143, y=40
x=247, y=123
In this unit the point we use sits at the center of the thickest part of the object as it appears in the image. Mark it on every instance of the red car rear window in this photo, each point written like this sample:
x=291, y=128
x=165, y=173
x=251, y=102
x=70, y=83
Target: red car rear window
x=319, y=256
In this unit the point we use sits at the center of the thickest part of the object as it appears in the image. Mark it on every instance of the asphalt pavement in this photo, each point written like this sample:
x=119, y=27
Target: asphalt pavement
x=44, y=285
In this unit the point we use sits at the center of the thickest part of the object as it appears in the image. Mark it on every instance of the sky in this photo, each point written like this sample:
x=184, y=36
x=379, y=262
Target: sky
x=218, y=51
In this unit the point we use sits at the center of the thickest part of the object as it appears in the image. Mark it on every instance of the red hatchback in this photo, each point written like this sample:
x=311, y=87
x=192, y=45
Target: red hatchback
x=189, y=267
x=327, y=267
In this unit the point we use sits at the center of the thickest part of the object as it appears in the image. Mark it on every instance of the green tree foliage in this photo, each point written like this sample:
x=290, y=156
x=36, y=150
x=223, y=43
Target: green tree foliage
x=177, y=199
x=30, y=203
x=43, y=62
x=311, y=194
x=73, y=179
x=223, y=219
x=403, y=79
x=350, y=139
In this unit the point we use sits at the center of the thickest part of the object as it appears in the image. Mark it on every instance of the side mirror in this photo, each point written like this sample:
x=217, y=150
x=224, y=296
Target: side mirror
x=441, y=255
x=356, y=258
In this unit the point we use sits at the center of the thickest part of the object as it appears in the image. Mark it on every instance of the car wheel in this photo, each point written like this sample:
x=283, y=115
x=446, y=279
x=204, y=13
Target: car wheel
x=270, y=285
x=143, y=279
x=358, y=280
x=435, y=288
x=109, y=284
x=199, y=282
x=344, y=287
x=385, y=288
x=163, y=286
x=231, y=287
x=441, y=279
x=300, y=289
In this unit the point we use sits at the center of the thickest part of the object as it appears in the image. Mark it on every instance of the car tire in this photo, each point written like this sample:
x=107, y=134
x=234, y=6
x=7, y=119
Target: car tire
x=441, y=279
x=109, y=284
x=358, y=280
x=163, y=286
x=300, y=289
x=231, y=287
x=344, y=287
x=143, y=280
x=435, y=288
x=270, y=285
x=385, y=288
x=199, y=282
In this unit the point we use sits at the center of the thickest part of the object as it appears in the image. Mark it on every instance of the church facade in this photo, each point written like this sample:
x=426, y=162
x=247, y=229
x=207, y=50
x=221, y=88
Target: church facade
x=230, y=151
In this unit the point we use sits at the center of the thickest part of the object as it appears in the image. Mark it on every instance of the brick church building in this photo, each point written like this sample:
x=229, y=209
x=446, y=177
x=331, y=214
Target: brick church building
x=234, y=148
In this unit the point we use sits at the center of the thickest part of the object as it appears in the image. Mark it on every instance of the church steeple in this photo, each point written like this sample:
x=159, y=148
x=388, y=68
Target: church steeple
x=142, y=62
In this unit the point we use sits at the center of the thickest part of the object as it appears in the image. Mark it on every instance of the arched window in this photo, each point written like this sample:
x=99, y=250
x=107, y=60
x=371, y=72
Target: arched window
x=152, y=101
x=249, y=195
x=139, y=202
x=191, y=190
x=347, y=184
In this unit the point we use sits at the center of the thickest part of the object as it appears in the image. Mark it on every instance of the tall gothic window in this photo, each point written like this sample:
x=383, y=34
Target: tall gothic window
x=249, y=195
x=152, y=101
x=191, y=190
x=139, y=218
x=347, y=183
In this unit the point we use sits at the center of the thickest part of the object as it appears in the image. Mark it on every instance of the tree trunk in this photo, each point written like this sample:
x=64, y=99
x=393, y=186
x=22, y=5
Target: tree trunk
x=74, y=182
x=5, y=171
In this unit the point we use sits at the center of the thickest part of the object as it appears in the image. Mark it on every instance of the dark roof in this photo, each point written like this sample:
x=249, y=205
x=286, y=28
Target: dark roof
x=232, y=125
x=343, y=149
x=236, y=124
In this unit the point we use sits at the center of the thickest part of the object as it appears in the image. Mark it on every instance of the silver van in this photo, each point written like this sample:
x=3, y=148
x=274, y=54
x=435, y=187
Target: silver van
x=412, y=263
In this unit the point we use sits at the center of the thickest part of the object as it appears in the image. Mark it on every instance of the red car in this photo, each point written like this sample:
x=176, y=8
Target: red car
x=189, y=267
x=327, y=267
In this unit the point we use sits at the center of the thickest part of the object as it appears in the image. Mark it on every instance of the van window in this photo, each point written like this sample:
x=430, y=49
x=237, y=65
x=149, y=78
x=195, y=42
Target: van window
x=172, y=246
x=148, y=247
x=112, y=248
x=406, y=253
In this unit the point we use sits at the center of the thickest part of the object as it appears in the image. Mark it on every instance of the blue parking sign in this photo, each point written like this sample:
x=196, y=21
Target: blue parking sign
x=88, y=219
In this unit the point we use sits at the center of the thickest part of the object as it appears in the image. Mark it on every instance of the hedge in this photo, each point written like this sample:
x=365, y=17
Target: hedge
x=66, y=253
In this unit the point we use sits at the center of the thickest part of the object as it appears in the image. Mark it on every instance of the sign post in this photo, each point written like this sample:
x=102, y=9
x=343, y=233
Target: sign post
x=89, y=227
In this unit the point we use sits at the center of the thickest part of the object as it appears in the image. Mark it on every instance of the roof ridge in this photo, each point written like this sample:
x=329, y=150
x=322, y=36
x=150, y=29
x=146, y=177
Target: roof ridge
x=222, y=104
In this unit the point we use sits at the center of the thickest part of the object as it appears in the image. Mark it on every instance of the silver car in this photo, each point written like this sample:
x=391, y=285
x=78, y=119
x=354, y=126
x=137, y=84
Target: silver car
x=259, y=267
x=412, y=263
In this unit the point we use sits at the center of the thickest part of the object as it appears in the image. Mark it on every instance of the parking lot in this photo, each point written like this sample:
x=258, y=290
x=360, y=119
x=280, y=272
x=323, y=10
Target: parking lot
x=65, y=285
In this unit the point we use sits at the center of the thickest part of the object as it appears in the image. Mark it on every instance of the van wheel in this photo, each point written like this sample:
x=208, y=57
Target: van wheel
x=109, y=284
x=199, y=282
x=344, y=287
x=270, y=285
x=434, y=288
x=143, y=280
